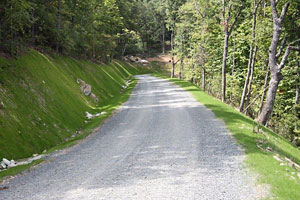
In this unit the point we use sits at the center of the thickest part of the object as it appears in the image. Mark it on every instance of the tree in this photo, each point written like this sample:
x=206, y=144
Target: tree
x=227, y=32
x=251, y=57
x=275, y=66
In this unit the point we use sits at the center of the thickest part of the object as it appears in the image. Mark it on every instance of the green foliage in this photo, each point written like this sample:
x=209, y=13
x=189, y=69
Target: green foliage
x=199, y=28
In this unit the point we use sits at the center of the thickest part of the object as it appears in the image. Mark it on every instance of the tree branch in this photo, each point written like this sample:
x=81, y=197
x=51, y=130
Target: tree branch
x=274, y=10
x=281, y=47
x=284, y=11
x=257, y=4
x=236, y=18
x=295, y=48
x=287, y=53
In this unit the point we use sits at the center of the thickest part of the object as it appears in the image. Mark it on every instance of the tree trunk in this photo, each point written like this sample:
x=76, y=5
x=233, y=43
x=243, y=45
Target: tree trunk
x=232, y=73
x=251, y=78
x=297, y=98
x=58, y=24
x=276, y=77
x=246, y=80
x=225, y=53
x=227, y=32
x=203, y=78
x=255, y=6
x=74, y=11
x=297, y=90
x=181, y=59
x=275, y=68
x=33, y=27
x=264, y=91
x=163, y=38
x=93, y=46
x=173, y=54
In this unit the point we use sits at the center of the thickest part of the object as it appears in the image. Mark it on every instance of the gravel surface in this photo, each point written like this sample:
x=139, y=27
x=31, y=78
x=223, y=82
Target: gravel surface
x=161, y=144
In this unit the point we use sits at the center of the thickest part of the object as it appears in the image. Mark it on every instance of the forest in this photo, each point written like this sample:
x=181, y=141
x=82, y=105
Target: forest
x=244, y=52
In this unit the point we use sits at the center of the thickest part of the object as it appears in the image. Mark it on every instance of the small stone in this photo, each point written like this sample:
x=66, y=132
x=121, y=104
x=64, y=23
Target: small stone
x=5, y=161
x=86, y=122
x=1, y=105
x=3, y=165
x=103, y=113
x=43, y=82
x=282, y=164
x=45, y=151
x=94, y=97
x=89, y=115
x=11, y=165
x=269, y=149
x=34, y=155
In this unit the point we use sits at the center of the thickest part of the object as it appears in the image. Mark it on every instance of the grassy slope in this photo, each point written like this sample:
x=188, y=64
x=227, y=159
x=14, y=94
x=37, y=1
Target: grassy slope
x=43, y=102
x=283, y=180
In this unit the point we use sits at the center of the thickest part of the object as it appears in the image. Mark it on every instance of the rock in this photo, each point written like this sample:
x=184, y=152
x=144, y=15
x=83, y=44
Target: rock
x=94, y=97
x=144, y=62
x=269, y=149
x=86, y=89
x=132, y=58
x=277, y=158
x=12, y=164
x=86, y=122
x=34, y=155
x=103, y=113
x=2, y=165
x=6, y=162
x=79, y=81
x=1, y=105
x=88, y=115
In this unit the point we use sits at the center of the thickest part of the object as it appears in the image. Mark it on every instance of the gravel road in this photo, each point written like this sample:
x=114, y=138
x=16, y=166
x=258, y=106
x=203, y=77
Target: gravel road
x=162, y=144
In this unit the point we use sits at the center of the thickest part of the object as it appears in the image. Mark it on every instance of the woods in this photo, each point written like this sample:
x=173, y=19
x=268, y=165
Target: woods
x=245, y=53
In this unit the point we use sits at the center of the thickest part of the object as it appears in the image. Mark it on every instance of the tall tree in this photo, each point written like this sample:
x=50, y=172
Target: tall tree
x=254, y=14
x=227, y=17
x=275, y=66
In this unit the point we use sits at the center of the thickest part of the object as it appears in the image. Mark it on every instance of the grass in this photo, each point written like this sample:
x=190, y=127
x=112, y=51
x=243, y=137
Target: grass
x=283, y=180
x=43, y=105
